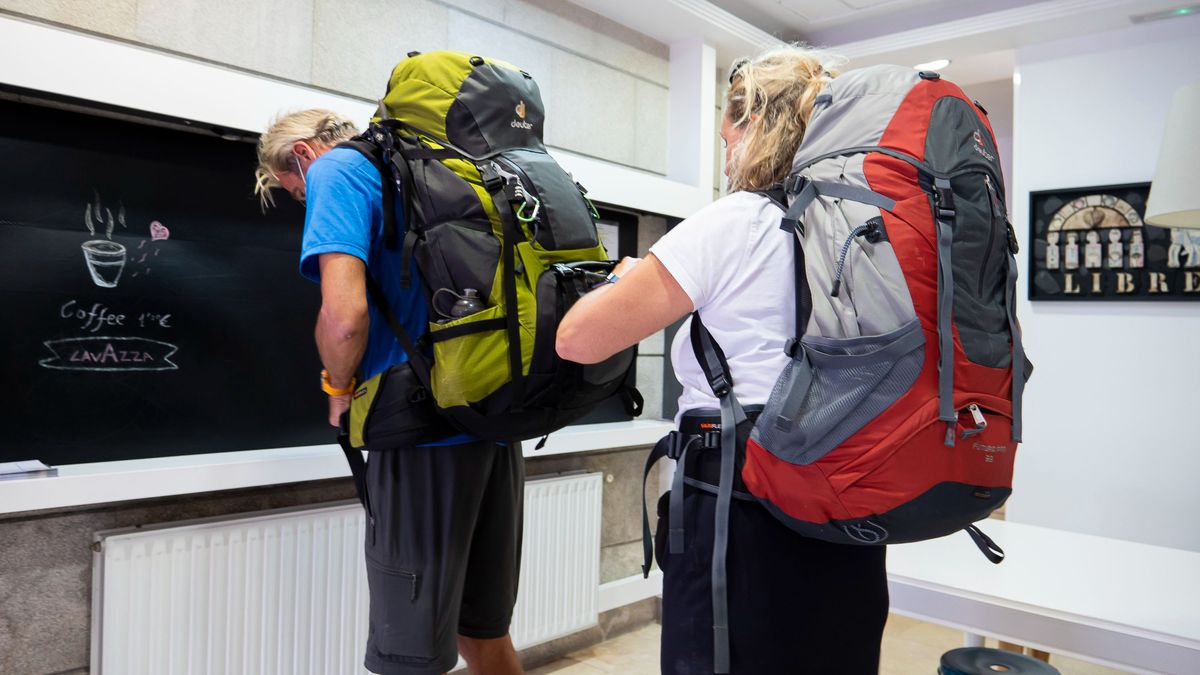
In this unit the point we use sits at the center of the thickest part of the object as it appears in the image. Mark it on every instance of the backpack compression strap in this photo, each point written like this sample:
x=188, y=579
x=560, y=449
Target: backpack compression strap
x=944, y=214
x=809, y=190
x=1018, y=350
x=494, y=182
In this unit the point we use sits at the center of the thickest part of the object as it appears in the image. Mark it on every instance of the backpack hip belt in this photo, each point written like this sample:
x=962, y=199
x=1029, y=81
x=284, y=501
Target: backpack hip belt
x=699, y=432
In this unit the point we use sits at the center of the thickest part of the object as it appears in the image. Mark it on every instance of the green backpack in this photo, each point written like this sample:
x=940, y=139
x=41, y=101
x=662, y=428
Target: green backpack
x=459, y=139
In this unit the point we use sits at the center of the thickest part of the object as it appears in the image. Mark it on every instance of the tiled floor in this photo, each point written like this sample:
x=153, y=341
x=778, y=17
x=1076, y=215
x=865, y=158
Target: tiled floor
x=910, y=647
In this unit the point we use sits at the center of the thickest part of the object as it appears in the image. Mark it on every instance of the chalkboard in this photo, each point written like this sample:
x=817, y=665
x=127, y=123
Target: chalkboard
x=149, y=306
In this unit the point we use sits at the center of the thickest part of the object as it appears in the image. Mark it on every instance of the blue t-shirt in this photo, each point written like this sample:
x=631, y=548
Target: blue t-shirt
x=344, y=214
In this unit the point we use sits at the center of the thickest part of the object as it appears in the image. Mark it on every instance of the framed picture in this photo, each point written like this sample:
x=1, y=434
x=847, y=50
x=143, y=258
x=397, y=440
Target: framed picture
x=618, y=231
x=1091, y=244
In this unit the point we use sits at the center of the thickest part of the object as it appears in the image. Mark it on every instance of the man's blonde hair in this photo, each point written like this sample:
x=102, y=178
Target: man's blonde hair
x=323, y=127
x=771, y=97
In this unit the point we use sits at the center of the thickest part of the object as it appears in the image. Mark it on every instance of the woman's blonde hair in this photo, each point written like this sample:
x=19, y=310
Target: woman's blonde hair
x=324, y=127
x=771, y=98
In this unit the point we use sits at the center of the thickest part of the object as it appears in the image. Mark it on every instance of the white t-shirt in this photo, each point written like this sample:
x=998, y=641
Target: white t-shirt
x=737, y=267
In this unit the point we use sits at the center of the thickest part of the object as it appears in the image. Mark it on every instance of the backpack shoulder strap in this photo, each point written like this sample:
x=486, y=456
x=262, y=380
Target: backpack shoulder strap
x=776, y=194
x=396, y=169
x=716, y=371
x=375, y=154
x=416, y=358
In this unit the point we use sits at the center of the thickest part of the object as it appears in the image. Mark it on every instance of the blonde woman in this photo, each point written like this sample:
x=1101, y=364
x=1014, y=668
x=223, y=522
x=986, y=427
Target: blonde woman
x=794, y=605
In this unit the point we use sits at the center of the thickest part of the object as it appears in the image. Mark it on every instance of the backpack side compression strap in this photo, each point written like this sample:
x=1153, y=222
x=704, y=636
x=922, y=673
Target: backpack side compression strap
x=942, y=196
x=1018, y=350
x=493, y=182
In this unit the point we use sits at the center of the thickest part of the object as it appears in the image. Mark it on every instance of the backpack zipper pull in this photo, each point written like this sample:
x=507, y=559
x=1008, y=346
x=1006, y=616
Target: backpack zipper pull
x=837, y=277
x=978, y=418
x=977, y=415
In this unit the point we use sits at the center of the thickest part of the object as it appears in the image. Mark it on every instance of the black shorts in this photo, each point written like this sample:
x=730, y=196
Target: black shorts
x=796, y=605
x=443, y=549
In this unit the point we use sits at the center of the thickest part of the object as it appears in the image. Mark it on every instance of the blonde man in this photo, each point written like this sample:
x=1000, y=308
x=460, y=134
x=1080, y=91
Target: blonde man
x=795, y=605
x=444, y=519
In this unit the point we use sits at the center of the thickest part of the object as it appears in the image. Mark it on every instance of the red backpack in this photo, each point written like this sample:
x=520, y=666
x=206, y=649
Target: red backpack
x=898, y=415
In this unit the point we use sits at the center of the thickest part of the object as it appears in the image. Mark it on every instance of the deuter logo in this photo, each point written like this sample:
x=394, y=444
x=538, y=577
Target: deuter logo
x=980, y=149
x=521, y=123
x=866, y=532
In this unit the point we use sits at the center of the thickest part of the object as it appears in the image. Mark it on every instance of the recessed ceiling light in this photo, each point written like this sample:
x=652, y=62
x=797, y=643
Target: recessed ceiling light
x=936, y=64
x=1166, y=14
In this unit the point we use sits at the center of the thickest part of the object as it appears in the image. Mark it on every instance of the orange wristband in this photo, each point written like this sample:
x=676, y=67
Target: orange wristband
x=334, y=391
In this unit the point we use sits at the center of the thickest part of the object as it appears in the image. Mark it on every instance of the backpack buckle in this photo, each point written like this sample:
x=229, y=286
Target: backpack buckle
x=720, y=385
x=382, y=136
x=943, y=195
x=712, y=439
x=490, y=174
x=791, y=347
x=675, y=445
x=1013, y=247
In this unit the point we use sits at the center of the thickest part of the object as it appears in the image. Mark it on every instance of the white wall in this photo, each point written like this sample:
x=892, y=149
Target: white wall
x=604, y=85
x=1111, y=412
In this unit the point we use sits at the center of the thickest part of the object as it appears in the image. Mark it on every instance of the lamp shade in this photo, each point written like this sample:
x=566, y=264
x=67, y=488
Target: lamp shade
x=1175, y=192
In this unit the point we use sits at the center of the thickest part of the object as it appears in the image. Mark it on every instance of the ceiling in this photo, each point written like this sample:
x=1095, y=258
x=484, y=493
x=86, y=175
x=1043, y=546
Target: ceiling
x=978, y=36
x=833, y=21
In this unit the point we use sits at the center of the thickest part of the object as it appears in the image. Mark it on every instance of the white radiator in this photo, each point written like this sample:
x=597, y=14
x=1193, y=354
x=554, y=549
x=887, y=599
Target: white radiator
x=286, y=591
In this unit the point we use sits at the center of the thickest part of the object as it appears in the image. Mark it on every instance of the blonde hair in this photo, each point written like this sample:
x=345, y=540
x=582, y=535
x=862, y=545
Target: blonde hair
x=323, y=127
x=771, y=98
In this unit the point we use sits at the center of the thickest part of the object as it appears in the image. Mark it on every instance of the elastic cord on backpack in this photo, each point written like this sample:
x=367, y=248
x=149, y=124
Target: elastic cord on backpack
x=837, y=276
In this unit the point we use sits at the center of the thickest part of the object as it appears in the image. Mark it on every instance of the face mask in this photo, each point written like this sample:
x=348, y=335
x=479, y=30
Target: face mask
x=299, y=170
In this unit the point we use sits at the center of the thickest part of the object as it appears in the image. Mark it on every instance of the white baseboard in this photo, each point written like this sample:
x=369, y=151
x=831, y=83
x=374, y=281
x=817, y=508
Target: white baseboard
x=629, y=590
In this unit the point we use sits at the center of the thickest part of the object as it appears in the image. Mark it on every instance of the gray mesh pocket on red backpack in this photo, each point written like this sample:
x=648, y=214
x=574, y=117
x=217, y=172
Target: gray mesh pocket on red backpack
x=834, y=387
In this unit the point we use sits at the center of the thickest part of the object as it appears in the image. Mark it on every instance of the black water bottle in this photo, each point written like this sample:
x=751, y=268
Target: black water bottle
x=468, y=303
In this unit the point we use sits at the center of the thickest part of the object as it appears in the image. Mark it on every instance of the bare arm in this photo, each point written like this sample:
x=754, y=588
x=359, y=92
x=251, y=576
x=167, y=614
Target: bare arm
x=341, y=331
x=613, y=317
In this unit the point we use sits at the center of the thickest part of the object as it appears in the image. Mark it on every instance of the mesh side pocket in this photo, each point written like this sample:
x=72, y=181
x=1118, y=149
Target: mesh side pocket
x=834, y=387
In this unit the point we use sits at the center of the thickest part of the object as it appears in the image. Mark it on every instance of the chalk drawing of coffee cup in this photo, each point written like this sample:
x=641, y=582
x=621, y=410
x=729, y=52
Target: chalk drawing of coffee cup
x=105, y=260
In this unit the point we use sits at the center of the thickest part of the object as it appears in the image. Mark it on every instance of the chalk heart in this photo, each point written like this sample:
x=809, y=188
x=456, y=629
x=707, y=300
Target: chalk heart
x=158, y=231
